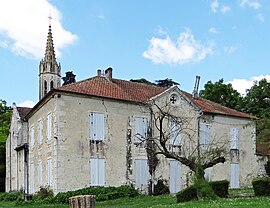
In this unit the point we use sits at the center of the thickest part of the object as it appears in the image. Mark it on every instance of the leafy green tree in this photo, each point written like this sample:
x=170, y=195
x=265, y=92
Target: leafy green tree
x=142, y=80
x=166, y=83
x=5, y=113
x=257, y=103
x=222, y=93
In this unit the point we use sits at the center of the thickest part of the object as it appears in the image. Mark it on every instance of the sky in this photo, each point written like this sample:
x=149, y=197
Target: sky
x=153, y=39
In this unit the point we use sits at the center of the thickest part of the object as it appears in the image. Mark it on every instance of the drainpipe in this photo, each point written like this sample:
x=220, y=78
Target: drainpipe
x=10, y=161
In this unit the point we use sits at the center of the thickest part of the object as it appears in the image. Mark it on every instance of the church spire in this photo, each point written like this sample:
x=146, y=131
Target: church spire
x=49, y=69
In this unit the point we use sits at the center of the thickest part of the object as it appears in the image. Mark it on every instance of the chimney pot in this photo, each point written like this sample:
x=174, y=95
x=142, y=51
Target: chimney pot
x=108, y=73
x=99, y=72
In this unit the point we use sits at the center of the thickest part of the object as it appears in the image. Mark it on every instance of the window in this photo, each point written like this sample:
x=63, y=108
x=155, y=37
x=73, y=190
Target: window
x=141, y=126
x=45, y=87
x=51, y=85
x=205, y=134
x=234, y=134
x=49, y=172
x=49, y=126
x=97, y=172
x=40, y=173
x=32, y=136
x=174, y=133
x=40, y=131
x=97, y=126
x=141, y=174
x=32, y=178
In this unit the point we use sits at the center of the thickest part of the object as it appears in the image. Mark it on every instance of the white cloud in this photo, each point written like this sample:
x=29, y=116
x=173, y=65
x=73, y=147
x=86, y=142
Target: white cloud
x=230, y=49
x=26, y=26
x=4, y=44
x=214, y=6
x=27, y=103
x=213, y=30
x=225, y=9
x=241, y=85
x=254, y=4
x=184, y=50
x=260, y=17
x=101, y=16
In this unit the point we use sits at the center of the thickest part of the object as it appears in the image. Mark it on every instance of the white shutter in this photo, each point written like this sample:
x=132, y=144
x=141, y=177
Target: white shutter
x=141, y=173
x=40, y=129
x=175, y=176
x=49, y=172
x=32, y=178
x=97, y=172
x=234, y=134
x=205, y=134
x=141, y=126
x=174, y=133
x=40, y=173
x=32, y=136
x=235, y=175
x=49, y=126
x=207, y=174
x=97, y=126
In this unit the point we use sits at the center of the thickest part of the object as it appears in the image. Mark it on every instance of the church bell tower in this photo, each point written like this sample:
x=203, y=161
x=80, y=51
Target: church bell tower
x=49, y=69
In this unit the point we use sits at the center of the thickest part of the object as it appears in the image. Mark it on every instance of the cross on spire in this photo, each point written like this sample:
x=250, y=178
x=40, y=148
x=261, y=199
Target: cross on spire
x=50, y=19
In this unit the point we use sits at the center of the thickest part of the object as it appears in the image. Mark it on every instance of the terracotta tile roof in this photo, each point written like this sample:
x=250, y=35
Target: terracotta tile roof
x=114, y=88
x=23, y=111
x=263, y=149
x=208, y=106
x=137, y=92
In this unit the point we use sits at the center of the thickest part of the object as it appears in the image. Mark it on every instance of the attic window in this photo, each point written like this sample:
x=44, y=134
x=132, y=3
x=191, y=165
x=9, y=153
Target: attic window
x=174, y=99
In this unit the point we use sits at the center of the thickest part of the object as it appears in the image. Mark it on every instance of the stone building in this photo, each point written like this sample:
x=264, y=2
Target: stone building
x=95, y=132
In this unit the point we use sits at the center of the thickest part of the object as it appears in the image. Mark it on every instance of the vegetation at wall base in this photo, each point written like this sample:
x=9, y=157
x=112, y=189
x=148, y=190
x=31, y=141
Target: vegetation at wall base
x=221, y=188
x=261, y=186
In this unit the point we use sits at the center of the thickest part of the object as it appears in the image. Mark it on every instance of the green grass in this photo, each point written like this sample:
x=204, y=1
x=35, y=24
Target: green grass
x=161, y=202
x=241, y=191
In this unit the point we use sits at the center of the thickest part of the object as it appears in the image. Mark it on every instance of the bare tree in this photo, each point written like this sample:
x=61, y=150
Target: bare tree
x=178, y=138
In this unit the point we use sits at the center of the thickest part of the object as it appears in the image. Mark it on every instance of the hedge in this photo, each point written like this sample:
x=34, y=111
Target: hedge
x=261, y=186
x=221, y=188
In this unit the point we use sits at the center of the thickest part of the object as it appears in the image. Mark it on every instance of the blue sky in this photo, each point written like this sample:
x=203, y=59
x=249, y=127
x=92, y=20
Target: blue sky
x=153, y=39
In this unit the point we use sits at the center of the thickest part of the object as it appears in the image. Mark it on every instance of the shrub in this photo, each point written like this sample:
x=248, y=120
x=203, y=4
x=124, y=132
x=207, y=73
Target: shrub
x=102, y=193
x=160, y=188
x=10, y=196
x=187, y=194
x=261, y=186
x=221, y=188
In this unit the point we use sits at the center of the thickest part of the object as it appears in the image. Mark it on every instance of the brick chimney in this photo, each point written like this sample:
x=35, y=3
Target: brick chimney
x=108, y=73
x=99, y=72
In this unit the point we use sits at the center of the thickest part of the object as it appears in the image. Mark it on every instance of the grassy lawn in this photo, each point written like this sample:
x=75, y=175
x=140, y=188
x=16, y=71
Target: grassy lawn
x=163, y=201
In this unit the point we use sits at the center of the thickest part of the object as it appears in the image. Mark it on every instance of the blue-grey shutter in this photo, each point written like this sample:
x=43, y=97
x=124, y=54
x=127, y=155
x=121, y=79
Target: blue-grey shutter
x=97, y=126
x=207, y=174
x=97, y=172
x=234, y=134
x=235, y=175
x=32, y=178
x=101, y=172
x=141, y=173
x=175, y=176
x=49, y=172
x=174, y=133
x=141, y=126
x=205, y=134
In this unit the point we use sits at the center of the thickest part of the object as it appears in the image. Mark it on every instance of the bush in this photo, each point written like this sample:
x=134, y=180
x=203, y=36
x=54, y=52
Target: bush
x=261, y=186
x=221, y=188
x=187, y=194
x=160, y=188
x=10, y=196
x=102, y=193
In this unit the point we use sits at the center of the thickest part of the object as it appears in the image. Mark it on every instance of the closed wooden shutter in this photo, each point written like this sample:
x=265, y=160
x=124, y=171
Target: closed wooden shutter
x=97, y=126
x=40, y=173
x=49, y=172
x=205, y=134
x=49, y=126
x=235, y=175
x=175, y=176
x=141, y=173
x=97, y=172
x=141, y=127
x=174, y=133
x=234, y=134
x=32, y=178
